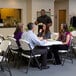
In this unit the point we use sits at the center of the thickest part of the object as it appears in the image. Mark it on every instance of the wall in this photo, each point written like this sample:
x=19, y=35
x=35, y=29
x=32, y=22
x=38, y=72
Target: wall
x=21, y=4
x=37, y=5
x=29, y=11
x=60, y=4
x=72, y=8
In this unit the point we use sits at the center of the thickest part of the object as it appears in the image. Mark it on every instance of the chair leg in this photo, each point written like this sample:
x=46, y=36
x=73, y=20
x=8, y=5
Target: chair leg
x=2, y=69
x=62, y=59
x=71, y=57
x=37, y=63
x=68, y=56
x=8, y=68
x=28, y=65
x=15, y=60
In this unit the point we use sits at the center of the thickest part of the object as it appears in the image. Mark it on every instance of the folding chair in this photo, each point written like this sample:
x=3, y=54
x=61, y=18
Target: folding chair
x=28, y=53
x=66, y=54
x=4, y=47
x=74, y=45
x=14, y=49
x=1, y=37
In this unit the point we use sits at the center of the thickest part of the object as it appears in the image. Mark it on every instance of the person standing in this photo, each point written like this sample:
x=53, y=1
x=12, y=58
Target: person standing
x=44, y=19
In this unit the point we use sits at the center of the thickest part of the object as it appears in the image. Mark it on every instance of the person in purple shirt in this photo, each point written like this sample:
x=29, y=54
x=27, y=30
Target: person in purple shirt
x=18, y=32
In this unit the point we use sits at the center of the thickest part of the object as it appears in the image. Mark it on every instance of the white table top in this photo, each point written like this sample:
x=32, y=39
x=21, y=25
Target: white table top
x=52, y=42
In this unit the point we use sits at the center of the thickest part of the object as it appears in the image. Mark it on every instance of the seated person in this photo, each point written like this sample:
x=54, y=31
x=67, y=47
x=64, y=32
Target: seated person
x=34, y=42
x=44, y=32
x=18, y=32
x=65, y=37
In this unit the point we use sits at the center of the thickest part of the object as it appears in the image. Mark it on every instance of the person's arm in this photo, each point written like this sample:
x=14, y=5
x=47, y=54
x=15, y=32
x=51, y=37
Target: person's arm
x=49, y=20
x=40, y=33
x=36, y=41
x=37, y=21
x=67, y=39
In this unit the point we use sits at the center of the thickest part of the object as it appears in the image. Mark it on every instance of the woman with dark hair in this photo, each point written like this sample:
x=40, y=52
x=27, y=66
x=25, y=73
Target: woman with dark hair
x=18, y=32
x=44, y=32
x=64, y=34
x=65, y=37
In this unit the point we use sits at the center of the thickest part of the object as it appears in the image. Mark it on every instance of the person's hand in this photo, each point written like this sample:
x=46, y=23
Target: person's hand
x=40, y=30
x=45, y=40
x=40, y=38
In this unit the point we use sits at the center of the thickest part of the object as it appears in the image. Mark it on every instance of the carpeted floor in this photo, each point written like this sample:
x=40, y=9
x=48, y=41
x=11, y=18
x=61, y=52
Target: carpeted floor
x=68, y=69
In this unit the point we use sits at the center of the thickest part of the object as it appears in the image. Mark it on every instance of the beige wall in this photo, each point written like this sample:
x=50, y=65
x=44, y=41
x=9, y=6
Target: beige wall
x=60, y=4
x=30, y=8
x=29, y=11
x=72, y=8
x=21, y=4
x=37, y=5
x=7, y=31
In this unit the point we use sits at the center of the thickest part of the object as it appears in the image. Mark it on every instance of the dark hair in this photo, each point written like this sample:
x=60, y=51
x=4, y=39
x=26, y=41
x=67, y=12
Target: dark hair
x=62, y=33
x=18, y=29
x=30, y=26
x=46, y=30
x=42, y=10
x=65, y=28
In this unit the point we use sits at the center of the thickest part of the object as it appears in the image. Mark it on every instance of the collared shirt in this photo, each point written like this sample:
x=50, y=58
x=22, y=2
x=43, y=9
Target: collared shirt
x=32, y=39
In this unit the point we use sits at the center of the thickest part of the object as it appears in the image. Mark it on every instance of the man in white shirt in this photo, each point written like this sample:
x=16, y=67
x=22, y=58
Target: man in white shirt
x=34, y=42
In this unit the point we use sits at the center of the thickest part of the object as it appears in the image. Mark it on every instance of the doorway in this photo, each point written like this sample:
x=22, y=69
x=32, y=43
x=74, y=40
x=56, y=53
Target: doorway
x=62, y=17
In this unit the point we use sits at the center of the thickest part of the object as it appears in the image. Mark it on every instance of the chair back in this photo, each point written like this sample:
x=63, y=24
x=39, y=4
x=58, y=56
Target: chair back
x=4, y=45
x=74, y=41
x=4, y=48
x=13, y=43
x=1, y=38
x=24, y=45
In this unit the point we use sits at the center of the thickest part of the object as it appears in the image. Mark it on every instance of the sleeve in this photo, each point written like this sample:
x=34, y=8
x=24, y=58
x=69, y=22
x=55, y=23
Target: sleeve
x=49, y=20
x=36, y=41
x=37, y=19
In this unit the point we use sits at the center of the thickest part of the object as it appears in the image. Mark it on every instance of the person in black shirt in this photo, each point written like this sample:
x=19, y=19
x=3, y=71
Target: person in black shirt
x=73, y=21
x=43, y=19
